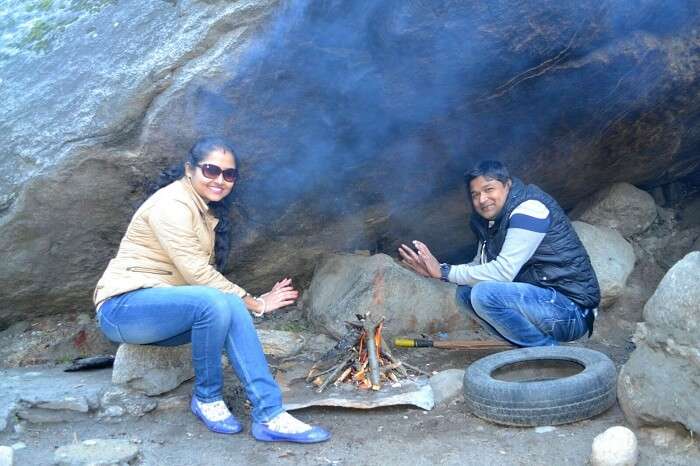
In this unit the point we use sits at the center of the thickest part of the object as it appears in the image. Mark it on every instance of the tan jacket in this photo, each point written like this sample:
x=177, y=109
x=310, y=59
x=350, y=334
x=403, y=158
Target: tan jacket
x=169, y=242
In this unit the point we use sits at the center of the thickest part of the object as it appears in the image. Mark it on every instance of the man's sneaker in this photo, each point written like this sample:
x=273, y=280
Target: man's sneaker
x=286, y=428
x=216, y=416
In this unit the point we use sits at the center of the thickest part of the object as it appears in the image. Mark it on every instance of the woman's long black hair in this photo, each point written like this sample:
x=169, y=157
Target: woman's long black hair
x=221, y=209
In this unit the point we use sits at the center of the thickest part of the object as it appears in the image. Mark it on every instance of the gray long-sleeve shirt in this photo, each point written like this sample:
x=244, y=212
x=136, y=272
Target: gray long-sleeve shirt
x=528, y=224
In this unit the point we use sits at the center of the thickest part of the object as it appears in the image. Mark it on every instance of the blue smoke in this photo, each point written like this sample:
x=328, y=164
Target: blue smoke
x=392, y=100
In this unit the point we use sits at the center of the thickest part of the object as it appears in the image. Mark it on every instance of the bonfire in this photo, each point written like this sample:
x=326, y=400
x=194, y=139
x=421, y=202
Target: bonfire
x=362, y=358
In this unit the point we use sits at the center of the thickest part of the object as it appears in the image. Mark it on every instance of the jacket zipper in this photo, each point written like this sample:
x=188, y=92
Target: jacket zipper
x=148, y=270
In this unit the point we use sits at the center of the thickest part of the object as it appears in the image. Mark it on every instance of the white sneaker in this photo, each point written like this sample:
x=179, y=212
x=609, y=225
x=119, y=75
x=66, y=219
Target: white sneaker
x=285, y=423
x=215, y=411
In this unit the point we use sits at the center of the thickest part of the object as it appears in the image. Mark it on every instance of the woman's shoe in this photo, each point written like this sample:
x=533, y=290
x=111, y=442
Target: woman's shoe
x=286, y=428
x=216, y=416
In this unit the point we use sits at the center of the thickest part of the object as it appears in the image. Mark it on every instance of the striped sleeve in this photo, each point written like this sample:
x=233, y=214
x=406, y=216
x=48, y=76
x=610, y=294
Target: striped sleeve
x=531, y=216
x=527, y=227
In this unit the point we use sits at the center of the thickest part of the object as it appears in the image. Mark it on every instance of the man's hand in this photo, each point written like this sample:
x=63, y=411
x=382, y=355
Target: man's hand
x=421, y=261
x=430, y=262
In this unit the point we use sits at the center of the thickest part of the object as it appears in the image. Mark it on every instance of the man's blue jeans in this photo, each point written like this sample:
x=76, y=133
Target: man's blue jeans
x=212, y=321
x=524, y=314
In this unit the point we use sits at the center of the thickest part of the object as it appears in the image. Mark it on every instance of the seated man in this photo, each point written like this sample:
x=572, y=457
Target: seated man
x=531, y=280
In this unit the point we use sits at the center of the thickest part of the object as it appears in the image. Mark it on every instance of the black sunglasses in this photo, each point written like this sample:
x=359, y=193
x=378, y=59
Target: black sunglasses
x=212, y=172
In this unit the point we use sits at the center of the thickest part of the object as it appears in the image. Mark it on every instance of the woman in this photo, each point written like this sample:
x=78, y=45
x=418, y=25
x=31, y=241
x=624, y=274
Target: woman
x=163, y=288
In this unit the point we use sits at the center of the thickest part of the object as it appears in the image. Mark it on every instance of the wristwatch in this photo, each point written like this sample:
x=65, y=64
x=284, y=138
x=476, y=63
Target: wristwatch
x=445, y=272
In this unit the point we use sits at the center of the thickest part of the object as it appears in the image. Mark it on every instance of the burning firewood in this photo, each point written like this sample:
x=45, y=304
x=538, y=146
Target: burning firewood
x=361, y=357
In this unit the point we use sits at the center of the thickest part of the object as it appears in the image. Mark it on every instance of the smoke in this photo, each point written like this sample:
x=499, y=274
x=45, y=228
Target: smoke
x=343, y=104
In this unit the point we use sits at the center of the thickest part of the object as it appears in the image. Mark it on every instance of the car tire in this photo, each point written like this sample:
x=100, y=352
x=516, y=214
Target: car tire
x=540, y=386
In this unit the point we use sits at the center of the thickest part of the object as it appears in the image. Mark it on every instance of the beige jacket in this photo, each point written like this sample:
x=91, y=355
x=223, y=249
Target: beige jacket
x=169, y=242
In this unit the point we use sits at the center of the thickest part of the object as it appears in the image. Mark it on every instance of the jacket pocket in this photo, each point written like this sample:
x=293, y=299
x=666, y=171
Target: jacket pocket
x=148, y=270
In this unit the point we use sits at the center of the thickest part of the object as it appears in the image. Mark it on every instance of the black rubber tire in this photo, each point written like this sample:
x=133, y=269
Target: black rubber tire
x=541, y=402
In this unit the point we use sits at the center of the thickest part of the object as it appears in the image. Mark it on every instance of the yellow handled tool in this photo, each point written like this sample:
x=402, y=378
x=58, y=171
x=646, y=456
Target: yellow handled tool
x=451, y=344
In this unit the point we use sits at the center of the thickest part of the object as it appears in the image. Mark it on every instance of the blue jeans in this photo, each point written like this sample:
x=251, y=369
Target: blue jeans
x=524, y=314
x=212, y=321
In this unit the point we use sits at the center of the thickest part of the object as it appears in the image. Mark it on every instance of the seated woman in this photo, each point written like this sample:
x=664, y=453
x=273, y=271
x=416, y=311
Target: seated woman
x=165, y=288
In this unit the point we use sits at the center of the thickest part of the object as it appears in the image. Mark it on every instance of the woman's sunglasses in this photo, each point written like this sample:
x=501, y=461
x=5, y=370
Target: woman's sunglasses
x=212, y=172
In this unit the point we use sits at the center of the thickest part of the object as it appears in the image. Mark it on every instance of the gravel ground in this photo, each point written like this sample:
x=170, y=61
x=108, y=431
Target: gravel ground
x=387, y=436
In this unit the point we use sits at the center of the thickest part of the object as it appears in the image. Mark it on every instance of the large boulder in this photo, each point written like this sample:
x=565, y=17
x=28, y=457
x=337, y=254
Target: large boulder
x=352, y=125
x=621, y=206
x=658, y=386
x=612, y=258
x=345, y=285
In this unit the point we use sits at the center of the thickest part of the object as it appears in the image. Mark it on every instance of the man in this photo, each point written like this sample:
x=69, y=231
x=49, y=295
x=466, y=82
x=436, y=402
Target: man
x=531, y=280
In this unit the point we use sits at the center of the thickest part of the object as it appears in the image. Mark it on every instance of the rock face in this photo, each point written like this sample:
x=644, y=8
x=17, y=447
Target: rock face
x=612, y=258
x=352, y=128
x=658, y=385
x=621, y=207
x=345, y=285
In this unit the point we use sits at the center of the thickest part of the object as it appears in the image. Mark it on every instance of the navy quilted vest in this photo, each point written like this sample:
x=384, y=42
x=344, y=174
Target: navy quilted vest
x=560, y=261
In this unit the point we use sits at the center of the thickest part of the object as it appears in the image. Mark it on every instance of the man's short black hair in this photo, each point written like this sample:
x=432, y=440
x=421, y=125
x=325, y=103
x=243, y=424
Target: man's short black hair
x=488, y=169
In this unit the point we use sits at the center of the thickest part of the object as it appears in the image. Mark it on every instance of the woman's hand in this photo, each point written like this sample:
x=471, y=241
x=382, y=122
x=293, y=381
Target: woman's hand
x=421, y=260
x=282, y=294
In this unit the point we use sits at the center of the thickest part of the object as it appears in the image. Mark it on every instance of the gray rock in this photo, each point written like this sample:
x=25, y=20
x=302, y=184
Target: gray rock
x=68, y=403
x=622, y=207
x=408, y=392
x=6, y=456
x=447, y=385
x=7, y=412
x=52, y=407
x=174, y=402
x=672, y=310
x=612, y=258
x=318, y=345
x=124, y=89
x=52, y=339
x=49, y=395
x=152, y=369
x=97, y=452
x=345, y=285
x=48, y=416
x=617, y=446
x=658, y=385
x=117, y=401
x=112, y=412
x=280, y=343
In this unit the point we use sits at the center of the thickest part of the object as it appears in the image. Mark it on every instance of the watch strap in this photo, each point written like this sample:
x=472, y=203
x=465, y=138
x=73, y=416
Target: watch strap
x=445, y=272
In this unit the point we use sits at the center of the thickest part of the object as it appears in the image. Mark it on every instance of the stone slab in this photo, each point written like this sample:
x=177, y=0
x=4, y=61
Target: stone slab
x=416, y=392
x=96, y=452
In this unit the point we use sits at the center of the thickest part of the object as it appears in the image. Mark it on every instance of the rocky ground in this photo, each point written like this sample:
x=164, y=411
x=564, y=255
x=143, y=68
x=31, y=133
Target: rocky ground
x=44, y=412
x=447, y=434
